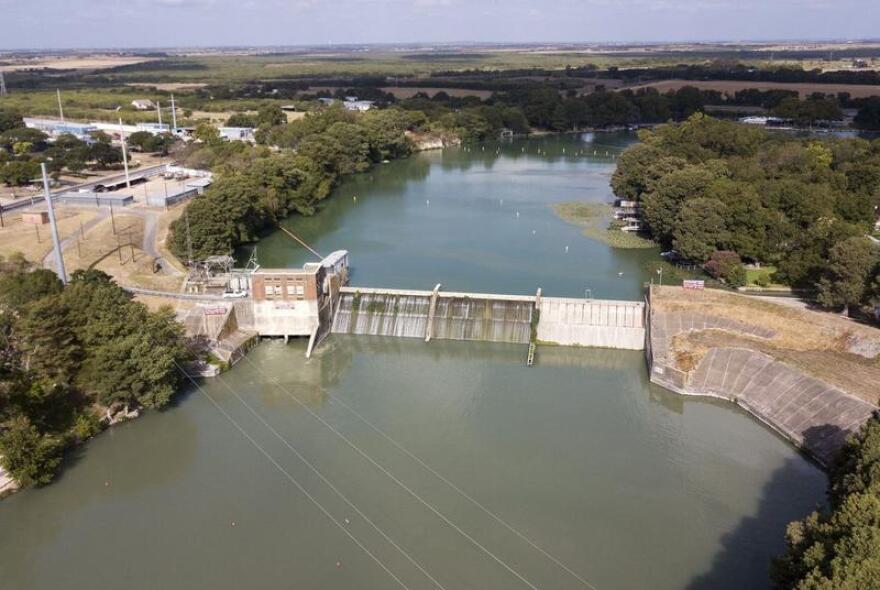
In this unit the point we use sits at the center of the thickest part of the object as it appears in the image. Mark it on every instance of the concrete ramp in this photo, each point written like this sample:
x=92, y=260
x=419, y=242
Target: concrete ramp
x=592, y=322
x=810, y=413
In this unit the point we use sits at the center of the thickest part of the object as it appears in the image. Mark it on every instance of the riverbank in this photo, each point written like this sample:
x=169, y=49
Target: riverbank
x=809, y=375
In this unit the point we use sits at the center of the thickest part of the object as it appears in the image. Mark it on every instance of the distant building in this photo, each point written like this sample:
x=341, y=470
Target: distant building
x=143, y=104
x=630, y=213
x=358, y=105
x=237, y=133
x=55, y=127
x=96, y=199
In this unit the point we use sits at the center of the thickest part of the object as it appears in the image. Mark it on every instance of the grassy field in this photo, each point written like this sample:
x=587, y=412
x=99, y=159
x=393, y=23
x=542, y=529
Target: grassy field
x=35, y=241
x=594, y=219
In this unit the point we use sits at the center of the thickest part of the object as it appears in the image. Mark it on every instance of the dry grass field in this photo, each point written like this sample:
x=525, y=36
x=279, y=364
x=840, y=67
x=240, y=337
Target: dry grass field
x=119, y=255
x=35, y=242
x=824, y=345
x=732, y=86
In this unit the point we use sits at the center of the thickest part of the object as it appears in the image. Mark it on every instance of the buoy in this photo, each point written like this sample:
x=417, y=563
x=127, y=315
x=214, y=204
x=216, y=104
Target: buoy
x=566, y=248
x=354, y=198
x=233, y=523
x=107, y=484
x=338, y=564
x=517, y=213
x=347, y=521
x=428, y=202
x=620, y=274
x=533, y=232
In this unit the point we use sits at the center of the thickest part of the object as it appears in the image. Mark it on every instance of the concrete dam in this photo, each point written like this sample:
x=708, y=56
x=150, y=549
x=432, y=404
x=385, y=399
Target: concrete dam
x=487, y=317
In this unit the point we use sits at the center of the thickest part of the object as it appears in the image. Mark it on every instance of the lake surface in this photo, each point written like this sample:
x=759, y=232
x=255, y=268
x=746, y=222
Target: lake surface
x=392, y=463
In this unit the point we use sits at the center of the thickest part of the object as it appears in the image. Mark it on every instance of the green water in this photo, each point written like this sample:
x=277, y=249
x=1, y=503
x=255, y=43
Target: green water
x=474, y=470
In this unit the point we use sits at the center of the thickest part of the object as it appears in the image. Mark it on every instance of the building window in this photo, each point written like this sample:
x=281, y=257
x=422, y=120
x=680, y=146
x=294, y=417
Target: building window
x=269, y=290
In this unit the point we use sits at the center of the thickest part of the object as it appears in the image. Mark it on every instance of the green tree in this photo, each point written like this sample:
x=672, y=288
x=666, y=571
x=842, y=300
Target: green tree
x=840, y=549
x=700, y=228
x=30, y=457
x=851, y=263
x=19, y=173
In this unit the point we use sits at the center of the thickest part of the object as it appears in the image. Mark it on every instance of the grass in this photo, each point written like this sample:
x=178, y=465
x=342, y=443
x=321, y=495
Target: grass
x=35, y=244
x=594, y=219
x=753, y=275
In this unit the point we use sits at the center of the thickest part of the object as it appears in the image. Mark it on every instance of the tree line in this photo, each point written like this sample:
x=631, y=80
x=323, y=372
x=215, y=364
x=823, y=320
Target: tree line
x=715, y=191
x=839, y=548
x=69, y=354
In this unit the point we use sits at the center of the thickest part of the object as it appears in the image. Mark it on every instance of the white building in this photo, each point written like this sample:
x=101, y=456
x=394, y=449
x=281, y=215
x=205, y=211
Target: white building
x=358, y=105
x=237, y=133
x=143, y=104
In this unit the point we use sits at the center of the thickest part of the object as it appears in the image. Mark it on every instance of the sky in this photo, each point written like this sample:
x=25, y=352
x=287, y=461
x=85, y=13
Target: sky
x=35, y=24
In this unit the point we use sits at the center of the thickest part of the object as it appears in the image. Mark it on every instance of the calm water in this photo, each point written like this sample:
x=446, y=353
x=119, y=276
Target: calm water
x=391, y=463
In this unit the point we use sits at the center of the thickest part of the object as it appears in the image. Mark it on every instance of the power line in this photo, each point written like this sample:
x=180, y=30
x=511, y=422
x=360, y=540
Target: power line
x=391, y=476
x=460, y=491
x=290, y=477
x=329, y=483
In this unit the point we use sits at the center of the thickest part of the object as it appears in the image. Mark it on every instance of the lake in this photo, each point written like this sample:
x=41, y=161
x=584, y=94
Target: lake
x=394, y=463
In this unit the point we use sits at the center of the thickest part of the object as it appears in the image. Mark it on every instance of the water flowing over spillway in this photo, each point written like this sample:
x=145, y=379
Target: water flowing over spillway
x=454, y=317
x=463, y=318
x=381, y=314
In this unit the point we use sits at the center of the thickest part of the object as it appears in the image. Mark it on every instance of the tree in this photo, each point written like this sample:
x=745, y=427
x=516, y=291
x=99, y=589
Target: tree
x=30, y=457
x=700, y=228
x=241, y=120
x=846, y=279
x=840, y=549
x=269, y=115
x=10, y=119
x=868, y=116
x=19, y=172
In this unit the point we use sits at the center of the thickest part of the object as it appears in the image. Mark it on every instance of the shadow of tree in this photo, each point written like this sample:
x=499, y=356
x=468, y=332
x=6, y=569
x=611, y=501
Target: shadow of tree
x=744, y=564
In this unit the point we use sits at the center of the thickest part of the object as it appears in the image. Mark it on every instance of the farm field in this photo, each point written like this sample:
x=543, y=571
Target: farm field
x=732, y=86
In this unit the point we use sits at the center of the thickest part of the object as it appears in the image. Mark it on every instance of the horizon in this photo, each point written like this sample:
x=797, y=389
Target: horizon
x=310, y=23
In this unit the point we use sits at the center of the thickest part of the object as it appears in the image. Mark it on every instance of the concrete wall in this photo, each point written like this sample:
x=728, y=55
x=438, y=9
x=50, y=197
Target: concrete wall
x=283, y=318
x=808, y=412
x=592, y=322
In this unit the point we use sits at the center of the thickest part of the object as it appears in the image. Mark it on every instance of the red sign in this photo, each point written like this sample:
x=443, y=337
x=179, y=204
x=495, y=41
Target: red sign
x=693, y=284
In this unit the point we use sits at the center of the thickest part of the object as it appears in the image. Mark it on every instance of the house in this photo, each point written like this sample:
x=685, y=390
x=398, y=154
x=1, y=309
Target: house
x=358, y=105
x=142, y=104
x=237, y=133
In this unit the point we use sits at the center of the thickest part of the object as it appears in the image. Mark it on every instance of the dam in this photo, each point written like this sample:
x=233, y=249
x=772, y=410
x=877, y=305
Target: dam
x=490, y=317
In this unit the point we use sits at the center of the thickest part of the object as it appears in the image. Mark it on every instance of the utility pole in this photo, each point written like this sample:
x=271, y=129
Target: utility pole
x=173, y=116
x=124, y=153
x=59, y=259
x=60, y=108
x=2, y=84
x=112, y=219
x=159, y=112
x=189, y=244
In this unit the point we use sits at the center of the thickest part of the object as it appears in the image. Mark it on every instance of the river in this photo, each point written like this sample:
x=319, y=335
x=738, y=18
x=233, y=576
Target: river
x=392, y=463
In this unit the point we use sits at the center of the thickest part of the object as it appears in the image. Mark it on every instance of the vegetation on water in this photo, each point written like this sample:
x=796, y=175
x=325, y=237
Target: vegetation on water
x=839, y=548
x=68, y=355
x=805, y=206
x=596, y=221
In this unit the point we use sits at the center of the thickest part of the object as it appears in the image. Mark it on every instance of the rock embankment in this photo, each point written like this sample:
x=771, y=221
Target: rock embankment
x=809, y=412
